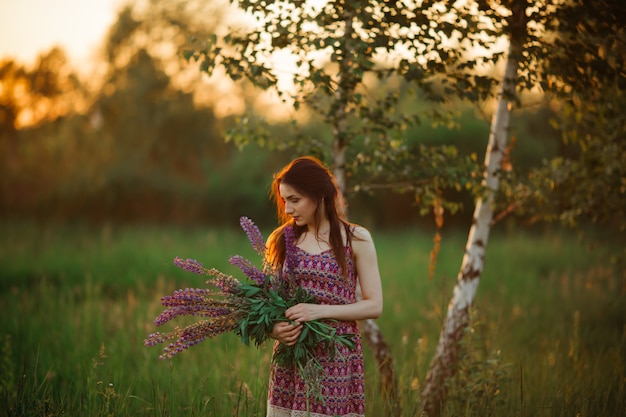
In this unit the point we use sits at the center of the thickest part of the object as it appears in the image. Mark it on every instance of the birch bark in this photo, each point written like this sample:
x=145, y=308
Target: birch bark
x=457, y=319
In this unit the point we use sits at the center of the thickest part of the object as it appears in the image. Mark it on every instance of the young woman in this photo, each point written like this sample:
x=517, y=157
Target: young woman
x=332, y=258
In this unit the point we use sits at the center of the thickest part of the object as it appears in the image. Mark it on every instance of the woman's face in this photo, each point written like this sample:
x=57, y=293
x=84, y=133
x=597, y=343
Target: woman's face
x=299, y=206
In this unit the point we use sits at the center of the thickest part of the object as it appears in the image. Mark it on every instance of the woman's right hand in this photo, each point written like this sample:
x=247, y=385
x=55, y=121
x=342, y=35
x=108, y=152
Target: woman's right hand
x=286, y=333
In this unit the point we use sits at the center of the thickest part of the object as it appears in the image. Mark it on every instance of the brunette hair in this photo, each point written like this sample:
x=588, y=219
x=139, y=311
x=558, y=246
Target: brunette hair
x=310, y=177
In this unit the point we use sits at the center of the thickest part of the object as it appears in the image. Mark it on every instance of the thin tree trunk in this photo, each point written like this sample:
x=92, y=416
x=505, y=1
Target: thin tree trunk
x=371, y=332
x=446, y=357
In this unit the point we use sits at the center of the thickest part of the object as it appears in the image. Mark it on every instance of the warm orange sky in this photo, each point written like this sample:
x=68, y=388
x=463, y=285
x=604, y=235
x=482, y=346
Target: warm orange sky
x=28, y=27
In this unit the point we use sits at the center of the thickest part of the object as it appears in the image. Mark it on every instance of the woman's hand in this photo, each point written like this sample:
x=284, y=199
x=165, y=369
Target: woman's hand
x=304, y=312
x=286, y=333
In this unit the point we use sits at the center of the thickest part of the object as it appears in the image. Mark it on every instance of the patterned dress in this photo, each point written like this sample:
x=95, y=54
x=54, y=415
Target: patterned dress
x=342, y=384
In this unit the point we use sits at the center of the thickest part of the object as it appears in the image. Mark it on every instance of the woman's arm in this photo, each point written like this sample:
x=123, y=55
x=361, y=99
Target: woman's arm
x=370, y=305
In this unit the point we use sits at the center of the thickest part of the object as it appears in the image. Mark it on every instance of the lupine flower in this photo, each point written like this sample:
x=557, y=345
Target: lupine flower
x=254, y=235
x=248, y=268
x=250, y=310
x=290, y=260
x=190, y=265
x=290, y=244
x=220, y=280
x=204, y=307
x=224, y=282
x=193, y=334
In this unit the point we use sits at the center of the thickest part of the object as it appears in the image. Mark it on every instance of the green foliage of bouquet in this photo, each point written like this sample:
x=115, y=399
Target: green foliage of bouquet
x=249, y=309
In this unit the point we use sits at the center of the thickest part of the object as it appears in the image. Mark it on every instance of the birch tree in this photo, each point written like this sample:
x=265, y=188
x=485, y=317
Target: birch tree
x=458, y=315
x=581, y=66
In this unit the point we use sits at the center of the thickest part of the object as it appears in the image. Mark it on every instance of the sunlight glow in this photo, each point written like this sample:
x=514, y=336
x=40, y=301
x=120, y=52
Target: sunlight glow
x=28, y=27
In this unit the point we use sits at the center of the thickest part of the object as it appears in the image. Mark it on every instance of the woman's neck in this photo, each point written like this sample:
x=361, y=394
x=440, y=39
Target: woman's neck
x=321, y=230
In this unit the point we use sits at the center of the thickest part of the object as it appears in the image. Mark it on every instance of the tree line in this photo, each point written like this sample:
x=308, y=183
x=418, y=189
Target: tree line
x=136, y=144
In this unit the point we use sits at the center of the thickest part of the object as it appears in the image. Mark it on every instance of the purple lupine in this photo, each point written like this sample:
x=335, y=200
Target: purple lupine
x=196, y=302
x=189, y=265
x=290, y=261
x=224, y=282
x=186, y=295
x=290, y=245
x=155, y=338
x=193, y=334
x=254, y=234
x=248, y=268
x=222, y=307
x=208, y=308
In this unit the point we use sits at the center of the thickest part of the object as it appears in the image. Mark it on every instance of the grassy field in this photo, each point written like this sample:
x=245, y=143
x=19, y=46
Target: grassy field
x=548, y=333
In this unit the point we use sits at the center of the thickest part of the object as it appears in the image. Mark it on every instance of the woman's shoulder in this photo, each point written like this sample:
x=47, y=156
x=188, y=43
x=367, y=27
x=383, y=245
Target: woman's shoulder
x=362, y=244
x=360, y=233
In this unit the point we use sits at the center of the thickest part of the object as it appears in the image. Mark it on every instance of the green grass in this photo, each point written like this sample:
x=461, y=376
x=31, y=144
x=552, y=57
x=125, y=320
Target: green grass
x=548, y=332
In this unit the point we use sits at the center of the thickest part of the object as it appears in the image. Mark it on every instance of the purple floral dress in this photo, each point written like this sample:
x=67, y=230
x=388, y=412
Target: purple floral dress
x=342, y=384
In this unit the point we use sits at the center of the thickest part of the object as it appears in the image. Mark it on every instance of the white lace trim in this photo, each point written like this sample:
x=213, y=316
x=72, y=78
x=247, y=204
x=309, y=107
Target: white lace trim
x=273, y=411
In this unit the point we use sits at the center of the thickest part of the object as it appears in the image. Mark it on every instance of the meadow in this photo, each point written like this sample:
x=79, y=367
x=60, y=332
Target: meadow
x=547, y=335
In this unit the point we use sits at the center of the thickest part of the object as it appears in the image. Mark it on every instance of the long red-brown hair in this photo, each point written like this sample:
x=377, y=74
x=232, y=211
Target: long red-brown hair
x=310, y=177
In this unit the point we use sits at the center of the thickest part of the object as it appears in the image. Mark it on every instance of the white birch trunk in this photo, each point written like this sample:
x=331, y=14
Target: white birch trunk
x=446, y=356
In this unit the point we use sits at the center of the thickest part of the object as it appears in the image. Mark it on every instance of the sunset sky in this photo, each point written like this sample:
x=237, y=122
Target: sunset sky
x=28, y=27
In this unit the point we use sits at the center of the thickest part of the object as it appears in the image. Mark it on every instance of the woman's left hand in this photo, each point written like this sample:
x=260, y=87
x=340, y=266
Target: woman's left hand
x=304, y=312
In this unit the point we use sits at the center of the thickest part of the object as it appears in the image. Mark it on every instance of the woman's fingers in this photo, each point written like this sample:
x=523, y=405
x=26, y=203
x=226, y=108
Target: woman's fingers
x=293, y=339
x=289, y=333
x=285, y=332
x=295, y=313
x=303, y=312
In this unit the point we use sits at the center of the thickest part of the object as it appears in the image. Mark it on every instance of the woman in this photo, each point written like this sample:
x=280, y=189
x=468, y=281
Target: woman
x=332, y=258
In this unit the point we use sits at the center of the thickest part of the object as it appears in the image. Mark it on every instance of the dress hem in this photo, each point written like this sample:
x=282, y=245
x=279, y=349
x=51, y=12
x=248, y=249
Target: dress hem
x=274, y=411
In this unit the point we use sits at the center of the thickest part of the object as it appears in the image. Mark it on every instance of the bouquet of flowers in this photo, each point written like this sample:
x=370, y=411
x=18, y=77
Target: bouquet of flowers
x=249, y=309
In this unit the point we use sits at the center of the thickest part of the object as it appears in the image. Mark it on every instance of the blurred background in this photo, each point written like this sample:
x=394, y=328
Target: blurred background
x=101, y=120
x=99, y=126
